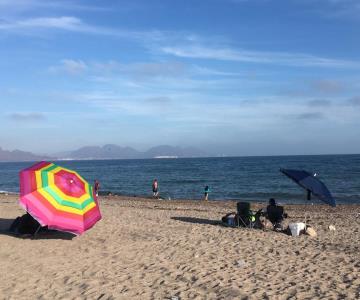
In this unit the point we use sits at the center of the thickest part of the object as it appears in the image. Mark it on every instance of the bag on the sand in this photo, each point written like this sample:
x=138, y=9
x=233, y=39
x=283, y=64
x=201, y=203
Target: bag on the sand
x=25, y=224
x=310, y=231
x=229, y=220
x=296, y=228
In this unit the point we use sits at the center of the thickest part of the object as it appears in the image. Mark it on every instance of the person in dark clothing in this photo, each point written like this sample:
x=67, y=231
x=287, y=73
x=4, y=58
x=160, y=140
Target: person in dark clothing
x=275, y=214
x=96, y=187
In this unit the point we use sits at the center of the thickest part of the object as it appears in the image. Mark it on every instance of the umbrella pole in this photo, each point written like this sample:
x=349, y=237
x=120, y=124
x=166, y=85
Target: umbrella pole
x=308, y=195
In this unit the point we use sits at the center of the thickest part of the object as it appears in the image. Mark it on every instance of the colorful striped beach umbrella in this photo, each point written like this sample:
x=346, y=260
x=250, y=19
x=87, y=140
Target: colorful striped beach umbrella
x=58, y=198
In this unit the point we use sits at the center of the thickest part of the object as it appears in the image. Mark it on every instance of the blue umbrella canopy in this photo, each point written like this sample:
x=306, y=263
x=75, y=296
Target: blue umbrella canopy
x=309, y=182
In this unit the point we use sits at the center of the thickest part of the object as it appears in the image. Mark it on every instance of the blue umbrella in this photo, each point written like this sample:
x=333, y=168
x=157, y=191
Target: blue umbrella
x=309, y=182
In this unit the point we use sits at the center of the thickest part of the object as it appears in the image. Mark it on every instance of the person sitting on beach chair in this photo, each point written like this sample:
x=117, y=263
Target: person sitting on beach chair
x=275, y=214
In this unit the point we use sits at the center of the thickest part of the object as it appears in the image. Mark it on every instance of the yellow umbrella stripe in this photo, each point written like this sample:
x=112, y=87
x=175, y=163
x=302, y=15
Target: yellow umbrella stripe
x=39, y=184
x=64, y=208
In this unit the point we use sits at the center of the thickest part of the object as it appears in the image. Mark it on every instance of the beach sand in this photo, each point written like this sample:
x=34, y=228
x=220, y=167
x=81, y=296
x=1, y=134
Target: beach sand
x=157, y=249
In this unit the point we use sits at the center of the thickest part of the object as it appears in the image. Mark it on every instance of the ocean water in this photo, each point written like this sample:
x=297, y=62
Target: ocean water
x=231, y=178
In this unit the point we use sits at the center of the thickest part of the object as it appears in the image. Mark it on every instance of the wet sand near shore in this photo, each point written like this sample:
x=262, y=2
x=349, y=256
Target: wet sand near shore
x=158, y=249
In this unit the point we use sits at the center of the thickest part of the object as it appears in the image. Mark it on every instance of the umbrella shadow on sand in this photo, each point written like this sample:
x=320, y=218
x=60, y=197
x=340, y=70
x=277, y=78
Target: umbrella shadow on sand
x=42, y=235
x=196, y=220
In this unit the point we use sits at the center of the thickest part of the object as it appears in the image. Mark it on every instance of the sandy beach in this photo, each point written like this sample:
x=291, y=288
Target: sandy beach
x=157, y=249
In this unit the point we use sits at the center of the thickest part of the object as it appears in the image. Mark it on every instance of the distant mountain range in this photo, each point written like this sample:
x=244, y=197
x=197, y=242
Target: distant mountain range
x=109, y=151
x=18, y=155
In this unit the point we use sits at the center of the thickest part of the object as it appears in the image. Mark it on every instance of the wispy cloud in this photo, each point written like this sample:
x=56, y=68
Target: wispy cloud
x=139, y=70
x=105, y=71
x=27, y=117
x=214, y=72
x=280, y=58
x=75, y=24
x=156, y=41
x=64, y=23
x=69, y=66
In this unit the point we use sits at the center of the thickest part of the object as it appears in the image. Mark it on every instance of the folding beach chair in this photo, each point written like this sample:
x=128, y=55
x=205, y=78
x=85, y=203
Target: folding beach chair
x=245, y=217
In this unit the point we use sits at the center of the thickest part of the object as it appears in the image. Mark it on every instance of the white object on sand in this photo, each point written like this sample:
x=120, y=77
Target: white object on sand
x=241, y=263
x=332, y=227
x=296, y=228
x=311, y=231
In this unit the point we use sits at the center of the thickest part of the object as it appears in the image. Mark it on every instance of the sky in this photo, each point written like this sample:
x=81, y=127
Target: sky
x=231, y=77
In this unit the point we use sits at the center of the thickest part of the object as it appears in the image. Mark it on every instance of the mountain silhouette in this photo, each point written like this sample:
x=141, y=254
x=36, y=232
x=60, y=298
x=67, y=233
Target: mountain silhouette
x=18, y=155
x=109, y=151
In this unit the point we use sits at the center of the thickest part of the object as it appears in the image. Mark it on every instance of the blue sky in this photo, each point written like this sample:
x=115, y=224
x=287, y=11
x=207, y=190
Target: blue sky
x=234, y=77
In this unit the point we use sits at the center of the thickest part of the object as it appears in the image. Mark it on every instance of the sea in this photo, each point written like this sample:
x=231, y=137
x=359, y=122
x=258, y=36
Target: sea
x=229, y=178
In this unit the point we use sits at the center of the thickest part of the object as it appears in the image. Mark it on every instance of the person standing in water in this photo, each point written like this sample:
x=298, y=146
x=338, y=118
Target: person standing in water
x=206, y=193
x=96, y=187
x=155, y=188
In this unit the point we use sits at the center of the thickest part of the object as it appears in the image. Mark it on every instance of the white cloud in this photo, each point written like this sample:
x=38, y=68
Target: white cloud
x=70, y=66
x=280, y=58
x=198, y=70
x=106, y=71
x=74, y=66
x=156, y=41
x=64, y=22
x=73, y=24
x=45, y=25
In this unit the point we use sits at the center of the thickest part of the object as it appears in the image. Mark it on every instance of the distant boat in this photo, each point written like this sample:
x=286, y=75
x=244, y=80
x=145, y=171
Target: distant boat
x=166, y=156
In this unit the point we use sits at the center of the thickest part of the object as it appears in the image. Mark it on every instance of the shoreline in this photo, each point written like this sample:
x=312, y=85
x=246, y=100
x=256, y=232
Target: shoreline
x=106, y=195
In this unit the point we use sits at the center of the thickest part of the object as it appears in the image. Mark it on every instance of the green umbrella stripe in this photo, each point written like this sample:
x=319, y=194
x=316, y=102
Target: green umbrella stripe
x=44, y=175
x=60, y=201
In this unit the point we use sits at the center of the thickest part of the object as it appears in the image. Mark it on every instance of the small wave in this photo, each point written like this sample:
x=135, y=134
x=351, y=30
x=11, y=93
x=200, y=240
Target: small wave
x=7, y=193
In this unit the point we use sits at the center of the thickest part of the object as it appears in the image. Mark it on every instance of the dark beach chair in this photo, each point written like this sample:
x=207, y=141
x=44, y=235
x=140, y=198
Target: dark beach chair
x=244, y=215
